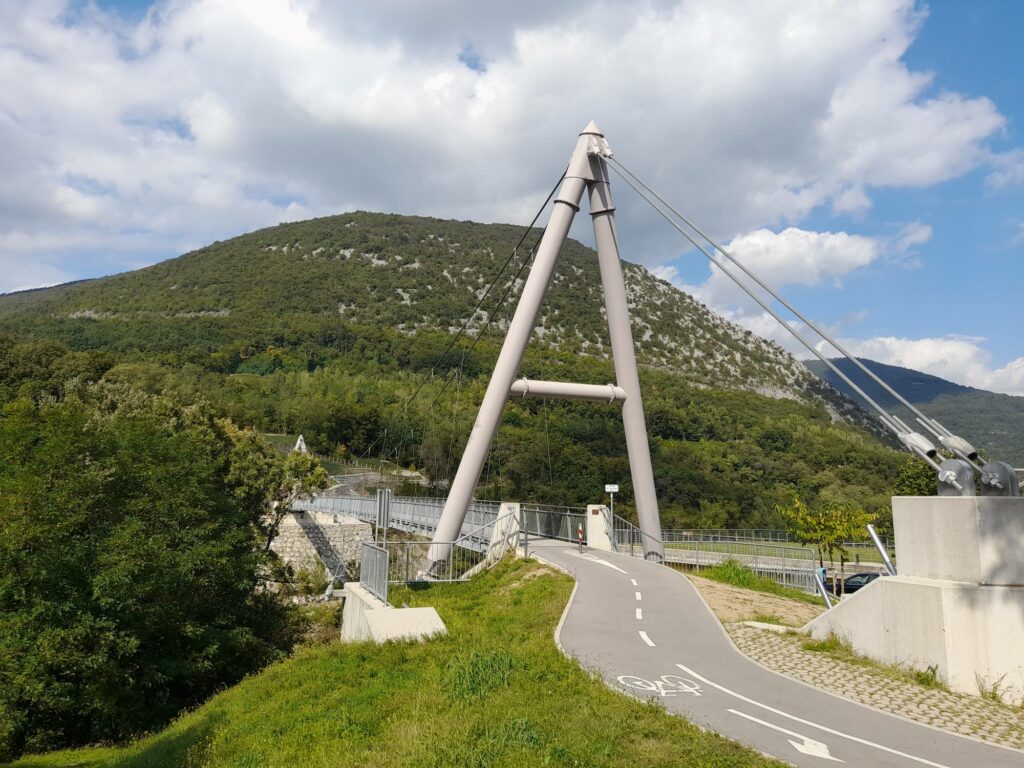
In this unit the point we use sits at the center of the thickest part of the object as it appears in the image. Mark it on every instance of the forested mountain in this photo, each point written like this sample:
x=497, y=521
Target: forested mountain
x=991, y=421
x=339, y=328
x=407, y=273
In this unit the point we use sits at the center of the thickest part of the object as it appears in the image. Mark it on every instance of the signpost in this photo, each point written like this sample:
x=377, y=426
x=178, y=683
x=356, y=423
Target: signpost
x=612, y=489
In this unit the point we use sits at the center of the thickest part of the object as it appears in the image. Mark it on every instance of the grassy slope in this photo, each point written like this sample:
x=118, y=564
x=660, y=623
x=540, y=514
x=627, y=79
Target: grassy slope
x=494, y=692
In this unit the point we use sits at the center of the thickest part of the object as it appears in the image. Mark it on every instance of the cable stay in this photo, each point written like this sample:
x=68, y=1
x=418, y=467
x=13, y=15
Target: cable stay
x=955, y=476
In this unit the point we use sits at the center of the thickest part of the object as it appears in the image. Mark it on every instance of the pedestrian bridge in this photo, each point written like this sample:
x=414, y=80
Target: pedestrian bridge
x=765, y=552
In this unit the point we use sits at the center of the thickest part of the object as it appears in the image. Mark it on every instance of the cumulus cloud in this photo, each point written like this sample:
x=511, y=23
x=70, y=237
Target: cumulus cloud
x=206, y=119
x=790, y=257
x=956, y=358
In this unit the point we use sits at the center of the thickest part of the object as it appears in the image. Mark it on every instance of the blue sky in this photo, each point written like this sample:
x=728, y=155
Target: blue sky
x=865, y=156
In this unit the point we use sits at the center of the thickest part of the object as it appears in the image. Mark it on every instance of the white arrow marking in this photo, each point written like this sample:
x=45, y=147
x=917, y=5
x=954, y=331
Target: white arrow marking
x=834, y=732
x=806, y=745
x=646, y=639
x=593, y=559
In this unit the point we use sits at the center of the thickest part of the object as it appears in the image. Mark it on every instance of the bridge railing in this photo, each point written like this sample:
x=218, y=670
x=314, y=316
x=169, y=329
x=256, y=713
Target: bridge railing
x=413, y=514
x=562, y=523
x=696, y=551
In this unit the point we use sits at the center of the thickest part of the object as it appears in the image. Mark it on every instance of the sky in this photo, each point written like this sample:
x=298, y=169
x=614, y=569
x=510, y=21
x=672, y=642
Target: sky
x=865, y=157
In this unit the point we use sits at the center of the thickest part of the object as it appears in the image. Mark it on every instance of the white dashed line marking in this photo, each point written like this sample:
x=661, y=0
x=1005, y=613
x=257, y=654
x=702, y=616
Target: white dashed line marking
x=638, y=597
x=633, y=582
x=646, y=639
x=639, y=614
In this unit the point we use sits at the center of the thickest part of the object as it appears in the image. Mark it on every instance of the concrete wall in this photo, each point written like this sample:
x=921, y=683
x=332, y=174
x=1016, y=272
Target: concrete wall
x=958, y=602
x=976, y=539
x=599, y=529
x=307, y=538
x=973, y=635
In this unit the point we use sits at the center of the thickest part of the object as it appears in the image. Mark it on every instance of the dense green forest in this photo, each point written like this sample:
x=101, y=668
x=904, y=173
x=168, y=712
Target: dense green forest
x=722, y=458
x=133, y=561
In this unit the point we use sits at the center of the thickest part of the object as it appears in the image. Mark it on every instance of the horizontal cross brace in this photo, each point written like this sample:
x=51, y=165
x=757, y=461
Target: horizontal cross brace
x=567, y=390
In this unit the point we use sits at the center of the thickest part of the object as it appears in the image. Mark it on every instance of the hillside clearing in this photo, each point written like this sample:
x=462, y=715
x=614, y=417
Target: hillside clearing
x=494, y=692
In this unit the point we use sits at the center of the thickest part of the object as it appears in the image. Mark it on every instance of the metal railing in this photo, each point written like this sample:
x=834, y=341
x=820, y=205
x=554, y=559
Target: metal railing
x=729, y=534
x=413, y=514
x=373, y=570
x=749, y=553
x=562, y=523
x=409, y=562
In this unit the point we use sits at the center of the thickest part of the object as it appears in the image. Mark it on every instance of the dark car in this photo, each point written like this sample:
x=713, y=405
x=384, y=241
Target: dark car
x=858, y=581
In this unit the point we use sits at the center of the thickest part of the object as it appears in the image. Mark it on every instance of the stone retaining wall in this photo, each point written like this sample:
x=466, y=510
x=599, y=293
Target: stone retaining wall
x=306, y=538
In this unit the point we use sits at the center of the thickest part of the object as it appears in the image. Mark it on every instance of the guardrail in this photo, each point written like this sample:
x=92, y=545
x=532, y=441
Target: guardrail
x=373, y=570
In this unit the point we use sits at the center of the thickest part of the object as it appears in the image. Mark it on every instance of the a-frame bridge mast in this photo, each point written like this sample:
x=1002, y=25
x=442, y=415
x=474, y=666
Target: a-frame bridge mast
x=587, y=172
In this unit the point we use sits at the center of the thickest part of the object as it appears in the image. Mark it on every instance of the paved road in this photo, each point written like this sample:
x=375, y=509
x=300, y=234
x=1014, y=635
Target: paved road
x=644, y=629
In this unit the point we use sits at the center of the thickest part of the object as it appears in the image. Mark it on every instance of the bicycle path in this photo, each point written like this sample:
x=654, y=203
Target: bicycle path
x=645, y=630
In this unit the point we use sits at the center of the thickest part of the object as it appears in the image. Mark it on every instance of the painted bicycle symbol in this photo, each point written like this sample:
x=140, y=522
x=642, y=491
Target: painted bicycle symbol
x=667, y=685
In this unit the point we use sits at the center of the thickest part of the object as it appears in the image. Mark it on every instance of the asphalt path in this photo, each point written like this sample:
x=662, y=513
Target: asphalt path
x=646, y=630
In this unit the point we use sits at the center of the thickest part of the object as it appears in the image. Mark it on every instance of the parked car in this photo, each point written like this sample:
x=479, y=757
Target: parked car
x=858, y=581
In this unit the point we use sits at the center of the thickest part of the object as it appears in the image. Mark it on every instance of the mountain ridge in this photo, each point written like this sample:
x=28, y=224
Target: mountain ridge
x=992, y=421
x=420, y=273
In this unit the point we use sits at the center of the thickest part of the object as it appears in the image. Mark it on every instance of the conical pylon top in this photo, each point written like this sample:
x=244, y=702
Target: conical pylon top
x=592, y=128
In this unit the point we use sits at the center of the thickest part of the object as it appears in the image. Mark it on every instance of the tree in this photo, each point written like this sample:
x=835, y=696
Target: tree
x=828, y=525
x=916, y=478
x=132, y=563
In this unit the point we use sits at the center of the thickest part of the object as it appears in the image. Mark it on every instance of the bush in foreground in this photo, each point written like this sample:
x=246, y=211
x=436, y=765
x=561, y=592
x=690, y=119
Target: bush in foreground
x=132, y=551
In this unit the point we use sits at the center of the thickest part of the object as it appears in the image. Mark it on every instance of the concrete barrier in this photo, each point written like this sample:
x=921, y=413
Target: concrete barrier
x=599, y=528
x=366, y=617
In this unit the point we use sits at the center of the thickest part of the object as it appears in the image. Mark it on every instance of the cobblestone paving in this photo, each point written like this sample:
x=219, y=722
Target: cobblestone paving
x=957, y=712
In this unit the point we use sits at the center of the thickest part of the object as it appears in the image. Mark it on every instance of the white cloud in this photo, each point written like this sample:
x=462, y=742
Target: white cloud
x=791, y=257
x=1009, y=170
x=1018, y=238
x=911, y=235
x=212, y=118
x=956, y=358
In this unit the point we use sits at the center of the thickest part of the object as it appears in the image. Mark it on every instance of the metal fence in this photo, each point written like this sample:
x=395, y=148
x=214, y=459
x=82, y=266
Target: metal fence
x=373, y=570
x=409, y=562
x=769, y=552
x=749, y=553
x=729, y=534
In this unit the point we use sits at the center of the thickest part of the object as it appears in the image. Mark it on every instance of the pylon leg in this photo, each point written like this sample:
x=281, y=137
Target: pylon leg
x=505, y=369
x=624, y=356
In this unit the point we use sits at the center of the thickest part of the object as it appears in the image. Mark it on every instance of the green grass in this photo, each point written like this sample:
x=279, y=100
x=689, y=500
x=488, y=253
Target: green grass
x=736, y=573
x=494, y=692
x=840, y=649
